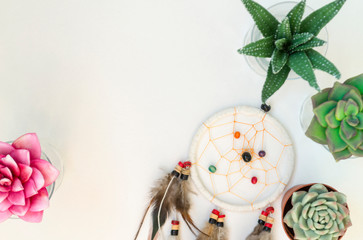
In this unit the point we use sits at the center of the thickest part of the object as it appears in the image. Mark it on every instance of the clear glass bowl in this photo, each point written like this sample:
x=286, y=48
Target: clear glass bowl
x=279, y=10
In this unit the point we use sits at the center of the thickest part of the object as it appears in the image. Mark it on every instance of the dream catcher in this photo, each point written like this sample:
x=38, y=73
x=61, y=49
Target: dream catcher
x=241, y=159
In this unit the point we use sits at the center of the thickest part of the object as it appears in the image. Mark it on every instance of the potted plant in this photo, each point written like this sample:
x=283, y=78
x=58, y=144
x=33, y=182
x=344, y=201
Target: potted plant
x=290, y=43
x=338, y=118
x=315, y=211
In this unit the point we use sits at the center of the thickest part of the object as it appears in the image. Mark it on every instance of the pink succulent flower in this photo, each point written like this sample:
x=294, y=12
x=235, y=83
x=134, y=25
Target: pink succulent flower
x=24, y=178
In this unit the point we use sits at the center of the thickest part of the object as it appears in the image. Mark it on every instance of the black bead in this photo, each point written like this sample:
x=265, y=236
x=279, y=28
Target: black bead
x=246, y=156
x=184, y=177
x=261, y=222
x=212, y=221
x=265, y=107
x=220, y=224
x=174, y=232
x=267, y=229
x=175, y=173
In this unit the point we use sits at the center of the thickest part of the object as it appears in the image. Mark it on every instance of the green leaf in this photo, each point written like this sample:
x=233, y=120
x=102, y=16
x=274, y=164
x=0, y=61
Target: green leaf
x=297, y=197
x=342, y=154
x=319, y=18
x=299, y=39
x=295, y=16
x=264, y=20
x=302, y=66
x=278, y=60
x=355, y=141
x=316, y=132
x=338, y=91
x=360, y=118
x=335, y=143
x=320, y=97
x=339, y=112
x=331, y=120
x=322, y=110
x=261, y=48
x=320, y=62
x=314, y=42
x=318, y=188
x=358, y=152
x=351, y=108
x=281, y=43
x=357, y=82
x=347, y=130
x=356, y=97
x=274, y=81
x=283, y=30
x=352, y=120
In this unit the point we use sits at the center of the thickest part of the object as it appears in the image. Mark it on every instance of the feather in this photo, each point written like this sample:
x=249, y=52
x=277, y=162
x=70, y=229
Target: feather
x=163, y=199
x=209, y=231
x=256, y=231
x=264, y=235
x=183, y=205
x=259, y=228
x=222, y=233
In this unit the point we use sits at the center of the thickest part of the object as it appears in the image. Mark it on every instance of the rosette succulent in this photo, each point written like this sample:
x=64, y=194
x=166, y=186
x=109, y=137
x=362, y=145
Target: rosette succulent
x=24, y=177
x=338, y=118
x=290, y=43
x=318, y=214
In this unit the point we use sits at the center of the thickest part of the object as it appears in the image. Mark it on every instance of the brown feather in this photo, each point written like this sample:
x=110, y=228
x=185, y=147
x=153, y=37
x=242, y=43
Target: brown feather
x=222, y=233
x=264, y=235
x=256, y=231
x=183, y=205
x=157, y=194
x=209, y=232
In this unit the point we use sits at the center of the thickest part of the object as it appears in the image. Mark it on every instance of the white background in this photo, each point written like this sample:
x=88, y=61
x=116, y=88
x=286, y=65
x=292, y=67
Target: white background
x=120, y=87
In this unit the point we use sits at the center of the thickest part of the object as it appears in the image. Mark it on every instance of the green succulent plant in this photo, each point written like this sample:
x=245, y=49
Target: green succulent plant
x=290, y=43
x=338, y=118
x=318, y=214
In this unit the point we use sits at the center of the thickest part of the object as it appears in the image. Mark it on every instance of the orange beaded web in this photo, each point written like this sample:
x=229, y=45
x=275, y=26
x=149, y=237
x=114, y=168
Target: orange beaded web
x=221, y=141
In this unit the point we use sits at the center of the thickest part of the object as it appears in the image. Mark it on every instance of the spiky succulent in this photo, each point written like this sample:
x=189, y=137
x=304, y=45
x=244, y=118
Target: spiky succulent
x=318, y=214
x=338, y=118
x=290, y=43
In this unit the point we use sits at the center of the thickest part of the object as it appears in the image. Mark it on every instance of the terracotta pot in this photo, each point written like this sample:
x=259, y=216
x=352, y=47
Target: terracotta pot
x=286, y=205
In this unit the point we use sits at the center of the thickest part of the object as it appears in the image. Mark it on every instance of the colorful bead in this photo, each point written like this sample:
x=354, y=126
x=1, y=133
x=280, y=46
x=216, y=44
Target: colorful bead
x=254, y=180
x=270, y=210
x=265, y=107
x=261, y=153
x=237, y=135
x=246, y=156
x=212, y=169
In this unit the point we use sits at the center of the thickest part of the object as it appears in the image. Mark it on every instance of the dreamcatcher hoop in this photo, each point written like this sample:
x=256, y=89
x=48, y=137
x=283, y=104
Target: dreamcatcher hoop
x=227, y=123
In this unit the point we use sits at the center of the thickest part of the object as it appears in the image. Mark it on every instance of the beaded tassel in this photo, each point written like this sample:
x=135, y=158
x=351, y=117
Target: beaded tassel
x=263, y=228
x=174, y=234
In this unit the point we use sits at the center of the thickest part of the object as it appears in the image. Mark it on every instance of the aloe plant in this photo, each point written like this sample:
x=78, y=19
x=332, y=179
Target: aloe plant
x=318, y=214
x=338, y=118
x=290, y=44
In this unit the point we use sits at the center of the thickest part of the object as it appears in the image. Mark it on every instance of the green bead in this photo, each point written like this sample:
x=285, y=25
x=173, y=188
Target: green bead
x=212, y=169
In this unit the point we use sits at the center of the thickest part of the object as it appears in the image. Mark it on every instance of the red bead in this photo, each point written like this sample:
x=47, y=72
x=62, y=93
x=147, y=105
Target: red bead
x=270, y=210
x=187, y=164
x=237, y=134
x=254, y=180
x=215, y=211
x=181, y=164
x=174, y=222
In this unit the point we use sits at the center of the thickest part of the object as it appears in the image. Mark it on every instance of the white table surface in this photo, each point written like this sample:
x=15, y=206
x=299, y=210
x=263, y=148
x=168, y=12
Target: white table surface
x=120, y=87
